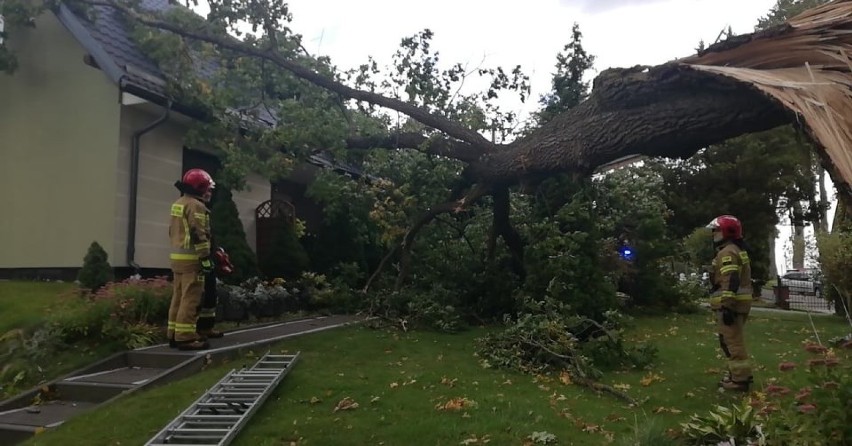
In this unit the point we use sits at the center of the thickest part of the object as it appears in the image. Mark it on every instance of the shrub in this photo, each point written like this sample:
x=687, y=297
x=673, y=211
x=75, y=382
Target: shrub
x=835, y=258
x=132, y=312
x=286, y=257
x=228, y=233
x=96, y=271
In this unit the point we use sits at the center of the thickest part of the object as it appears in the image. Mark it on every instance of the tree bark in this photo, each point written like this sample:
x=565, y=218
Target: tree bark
x=503, y=227
x=823, y=199
x=670, y=110
x=773, y=264
x=798, y=237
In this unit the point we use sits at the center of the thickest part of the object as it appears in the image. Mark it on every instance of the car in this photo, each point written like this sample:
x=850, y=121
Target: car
x=803, y=281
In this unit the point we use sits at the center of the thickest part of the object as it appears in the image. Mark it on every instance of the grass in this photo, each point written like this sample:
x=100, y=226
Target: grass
x=23, y=304
x=400, y=379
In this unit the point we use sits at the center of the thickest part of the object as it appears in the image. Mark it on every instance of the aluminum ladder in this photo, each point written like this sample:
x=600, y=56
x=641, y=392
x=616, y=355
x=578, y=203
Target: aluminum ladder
x=218, y=416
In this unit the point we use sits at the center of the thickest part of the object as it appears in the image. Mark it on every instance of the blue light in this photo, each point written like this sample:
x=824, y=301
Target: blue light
x=626, y=253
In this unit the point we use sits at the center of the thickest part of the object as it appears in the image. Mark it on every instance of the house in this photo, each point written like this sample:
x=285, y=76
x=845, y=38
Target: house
x=90, y=148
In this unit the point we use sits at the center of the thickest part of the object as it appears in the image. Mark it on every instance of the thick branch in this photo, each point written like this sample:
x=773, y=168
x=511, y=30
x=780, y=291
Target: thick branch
x=668, y=110
x=503, y=228
x=421, y=115
x=434, y=145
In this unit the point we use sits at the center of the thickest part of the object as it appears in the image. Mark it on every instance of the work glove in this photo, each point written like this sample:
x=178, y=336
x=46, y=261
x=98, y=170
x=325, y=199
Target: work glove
x=206, y=265
x=728, y=316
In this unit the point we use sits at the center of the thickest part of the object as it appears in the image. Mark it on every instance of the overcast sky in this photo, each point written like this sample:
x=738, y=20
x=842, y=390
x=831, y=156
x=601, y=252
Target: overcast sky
x=620, y=33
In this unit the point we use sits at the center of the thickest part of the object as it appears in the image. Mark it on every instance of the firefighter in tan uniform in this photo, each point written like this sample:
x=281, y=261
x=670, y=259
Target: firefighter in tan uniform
x=189, y=231
x=731, y=298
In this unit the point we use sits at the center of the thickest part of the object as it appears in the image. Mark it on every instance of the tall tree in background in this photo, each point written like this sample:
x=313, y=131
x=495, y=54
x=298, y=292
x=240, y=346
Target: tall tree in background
x=568, y=87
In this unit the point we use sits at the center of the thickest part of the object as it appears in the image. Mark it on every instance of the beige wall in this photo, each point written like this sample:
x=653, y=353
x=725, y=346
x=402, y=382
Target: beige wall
x=160, y=165
x=58, y=132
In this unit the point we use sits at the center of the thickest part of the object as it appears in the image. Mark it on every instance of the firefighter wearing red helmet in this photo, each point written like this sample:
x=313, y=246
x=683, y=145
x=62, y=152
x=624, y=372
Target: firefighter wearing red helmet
x=731, y=298
x=189, y=231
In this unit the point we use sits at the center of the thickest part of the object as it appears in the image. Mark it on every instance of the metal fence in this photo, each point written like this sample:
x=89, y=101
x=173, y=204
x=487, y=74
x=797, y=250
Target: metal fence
x=802, y=295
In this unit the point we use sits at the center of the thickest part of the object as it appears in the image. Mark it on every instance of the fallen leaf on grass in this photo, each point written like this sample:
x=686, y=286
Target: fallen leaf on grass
x=667, y=409
x=315, y=400
x=615, y=417
x=346, y=404
x=449, y=382
x=473, y=439
x=540, y=438
x=456, y=404
x=621, y=386
x=374, y=399
x=394, y=385
x=651, y=378
x=565, y=377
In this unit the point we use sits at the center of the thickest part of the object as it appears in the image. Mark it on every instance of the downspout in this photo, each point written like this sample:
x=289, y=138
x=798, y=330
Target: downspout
x=134, y=186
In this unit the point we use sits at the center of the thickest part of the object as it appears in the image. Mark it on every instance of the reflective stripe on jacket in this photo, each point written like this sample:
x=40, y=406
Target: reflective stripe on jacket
x=731, y=277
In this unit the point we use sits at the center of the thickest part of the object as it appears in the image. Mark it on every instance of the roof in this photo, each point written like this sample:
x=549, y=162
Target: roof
x=107, y=39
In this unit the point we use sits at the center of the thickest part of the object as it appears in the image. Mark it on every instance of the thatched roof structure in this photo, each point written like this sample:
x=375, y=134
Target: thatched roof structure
x=805, y=66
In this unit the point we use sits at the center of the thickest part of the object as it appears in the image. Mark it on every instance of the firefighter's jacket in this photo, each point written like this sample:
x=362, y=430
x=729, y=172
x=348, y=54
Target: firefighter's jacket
x=189, y=231
x=731, y=278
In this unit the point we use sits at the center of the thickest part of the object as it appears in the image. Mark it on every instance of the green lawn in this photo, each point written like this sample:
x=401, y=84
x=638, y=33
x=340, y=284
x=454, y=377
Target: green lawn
x=398, y=380
x=23, y=304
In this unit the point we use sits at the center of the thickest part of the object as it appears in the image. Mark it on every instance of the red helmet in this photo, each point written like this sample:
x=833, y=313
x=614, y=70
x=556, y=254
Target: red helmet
x=728, y=225
x=199, y=180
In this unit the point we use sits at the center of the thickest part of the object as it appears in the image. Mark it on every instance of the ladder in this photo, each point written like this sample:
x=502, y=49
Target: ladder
x=217, y=417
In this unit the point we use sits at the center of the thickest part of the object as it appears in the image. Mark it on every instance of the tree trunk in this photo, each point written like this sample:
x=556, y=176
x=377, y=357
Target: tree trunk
x=798, y=237
x=823, y=199
x=773, y=264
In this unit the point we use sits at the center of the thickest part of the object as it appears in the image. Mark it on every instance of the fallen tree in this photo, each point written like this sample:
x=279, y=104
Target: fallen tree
x=796, y=72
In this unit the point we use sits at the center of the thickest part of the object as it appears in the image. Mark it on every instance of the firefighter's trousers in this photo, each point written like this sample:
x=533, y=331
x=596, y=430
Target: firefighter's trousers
x=186, y=299
x=207, y=311
x=732, y=342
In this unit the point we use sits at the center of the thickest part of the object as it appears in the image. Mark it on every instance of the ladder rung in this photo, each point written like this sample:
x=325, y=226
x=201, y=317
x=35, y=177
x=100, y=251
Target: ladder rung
x=246, y=384
x=184, y=430
x=193, y=424
x=273, y=362
x=187, y=438
x=236, y=394
x=224, y=405
x=211, y=417
x=178, y=444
